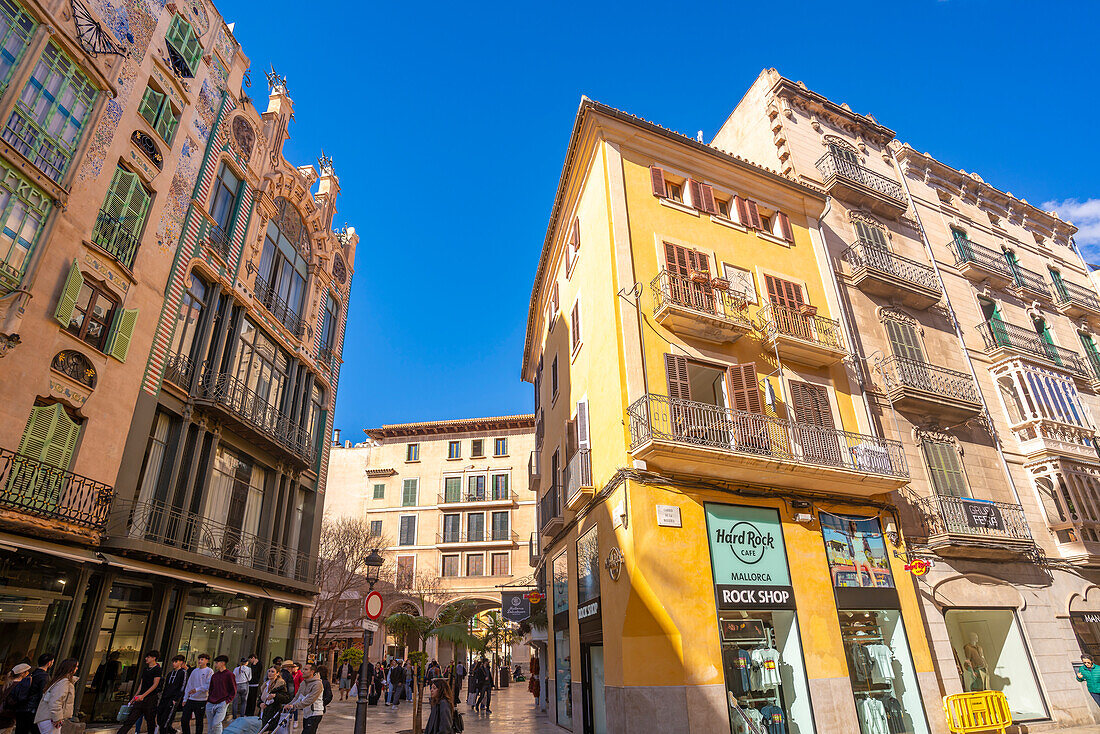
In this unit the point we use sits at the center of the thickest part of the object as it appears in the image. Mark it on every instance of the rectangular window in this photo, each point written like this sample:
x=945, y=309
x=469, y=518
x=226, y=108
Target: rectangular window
x=723, y=208
x=475, y=527
x=674, y=191
x=120, y=222
x=328, y=327
x=554, y=379
x=92, y=316
x=184, y=47
x=379, y=491
x=376, y=528
x=188, y=318
x=501, y=447
x=500, y=526
x=50, y=114
x=500, y=564
x=449, y=566
x=944, y=469
x=409, y=492
x=224, y=199
x=412, y=452
x=452, y=528
x=500, y=486
x=477, y=448
x=157, y=110
x=405, y=566
x=454, y=450
x=281, y=276
x=16, y=28
x=475, y=564
x=476, y=492
x=22, y=210
x=408, y=530
x=452, y=489
x=576, y=323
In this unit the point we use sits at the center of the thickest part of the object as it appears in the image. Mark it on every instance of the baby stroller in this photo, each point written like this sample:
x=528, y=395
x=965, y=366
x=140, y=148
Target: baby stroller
x=278, y=724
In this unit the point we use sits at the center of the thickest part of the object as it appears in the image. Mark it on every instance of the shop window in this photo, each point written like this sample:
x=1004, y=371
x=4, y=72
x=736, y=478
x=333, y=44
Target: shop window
x=16, y=28
x=22, y=212
x=563, y=689
x=588, y=567
x=991, y=653
x=49, y=117
x=881, y=671
x=561, y=584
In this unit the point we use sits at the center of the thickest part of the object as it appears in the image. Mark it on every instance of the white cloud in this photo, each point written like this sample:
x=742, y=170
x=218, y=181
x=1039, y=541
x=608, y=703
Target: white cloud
x=1085, y=215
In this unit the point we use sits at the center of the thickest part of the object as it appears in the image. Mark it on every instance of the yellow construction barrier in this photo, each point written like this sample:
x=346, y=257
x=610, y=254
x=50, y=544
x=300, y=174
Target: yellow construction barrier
x=979, y=711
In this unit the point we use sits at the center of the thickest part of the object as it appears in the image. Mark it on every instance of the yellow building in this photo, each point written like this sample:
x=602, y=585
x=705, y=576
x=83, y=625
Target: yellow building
x=717, y=545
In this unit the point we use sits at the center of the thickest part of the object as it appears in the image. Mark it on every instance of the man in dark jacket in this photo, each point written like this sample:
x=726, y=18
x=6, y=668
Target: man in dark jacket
x=40, y=678
x=258, y=677
x=171, y=697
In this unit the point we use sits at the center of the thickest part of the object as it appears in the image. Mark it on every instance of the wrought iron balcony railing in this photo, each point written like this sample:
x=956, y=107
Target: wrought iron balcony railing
x=988, y=520
x=966, y=251
x=178, y=531
x=218, y=240
x=234, y=396
x=34, y=488
x=496, y=495
x=179, y=369
x=998, y=334
x=781, y=320
x=832, y=165
x=550, y=507
x=578, y=473
x=540, y=431
x=116, y=237
x=278, y=308
x=869, y=255
x=1029, y=280
x=1092, y=361
x=719, y=302
x=912, y=373
x=534, y=554
x=485, y=536
x=1066, y=293
x=688, y=423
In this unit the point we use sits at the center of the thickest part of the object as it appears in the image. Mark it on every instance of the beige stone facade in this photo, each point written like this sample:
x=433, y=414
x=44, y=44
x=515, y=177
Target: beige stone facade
x=997, y=417
x=452, y=500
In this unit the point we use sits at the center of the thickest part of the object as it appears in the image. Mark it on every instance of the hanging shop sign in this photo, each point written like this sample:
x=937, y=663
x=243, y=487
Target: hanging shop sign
x=748, y=558
x=918, y=567
x=515, y=606
x=983, y=515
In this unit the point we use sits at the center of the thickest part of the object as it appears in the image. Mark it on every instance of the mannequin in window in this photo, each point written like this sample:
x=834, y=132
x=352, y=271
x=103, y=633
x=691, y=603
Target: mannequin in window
x=975, y=664
x=861, y=556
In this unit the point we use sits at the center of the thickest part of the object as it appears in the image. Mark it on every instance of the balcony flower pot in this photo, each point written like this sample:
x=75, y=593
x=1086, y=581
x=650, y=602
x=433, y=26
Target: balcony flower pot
x=699, y=276
x=807, y=310
x=720, y=284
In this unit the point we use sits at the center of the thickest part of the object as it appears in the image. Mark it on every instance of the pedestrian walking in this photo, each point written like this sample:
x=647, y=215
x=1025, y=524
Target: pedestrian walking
x=257, y=676
x=410, y=680
x=40, y=678
x=274, y=694
x=484, y=686
x=396, y=681
x=1089, y=672
x=195, y=695
x=58, y=698
x=460, y=675
x=144, y=704
x=242, y=676
x=344, y=675
x=223, y=687
x=308, y=700
x=534, y=686
x=15, y=695
x=171, y=697
x=441, y=718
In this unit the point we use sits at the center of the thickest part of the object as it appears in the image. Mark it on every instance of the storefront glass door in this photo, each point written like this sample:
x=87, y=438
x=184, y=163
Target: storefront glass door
x=882, y=673
x=115, y=663
x=990, y=651
x=216, y=636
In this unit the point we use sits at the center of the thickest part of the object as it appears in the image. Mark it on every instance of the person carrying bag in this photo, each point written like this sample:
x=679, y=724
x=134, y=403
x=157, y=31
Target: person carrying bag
x=443, y=718
x=57, y=701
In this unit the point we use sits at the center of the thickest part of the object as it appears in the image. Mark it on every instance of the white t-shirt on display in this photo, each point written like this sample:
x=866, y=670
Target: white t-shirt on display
x=882, y=659
x=765, y=668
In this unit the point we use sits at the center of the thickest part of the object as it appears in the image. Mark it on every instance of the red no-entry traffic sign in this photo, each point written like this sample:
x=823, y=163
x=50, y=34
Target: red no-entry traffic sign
x=373, y=605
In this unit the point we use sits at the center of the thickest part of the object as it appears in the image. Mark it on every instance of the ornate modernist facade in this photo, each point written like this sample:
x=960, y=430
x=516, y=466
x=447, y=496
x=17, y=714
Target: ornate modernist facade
x=172, y=305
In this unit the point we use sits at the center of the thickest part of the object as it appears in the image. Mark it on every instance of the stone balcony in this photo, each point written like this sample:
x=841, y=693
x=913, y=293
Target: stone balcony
x=1041, y=438
x=800, y=335
x=979, y=264
x=913, y=386
x=964, y=527
x=705, y=308
x=878, y=271
x=1075, y=301
x=861, y=187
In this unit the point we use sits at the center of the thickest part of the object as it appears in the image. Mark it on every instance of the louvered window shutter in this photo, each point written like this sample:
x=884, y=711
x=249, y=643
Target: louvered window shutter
x=150, y=103
x=945, y=470
x=657, y=180
x=904, y=340
x=700, y=262
x=679, y=260
x=576, y=234
x=742, y=211
x=744, y=388
x=696, y=194
x=50, y=436
x=811, y=404
x=754, y=214
x=166, y=125
x=785, y=230
x=582, y=424
x=122, y=333
x=576, y=321
x=708, y=199
x=570, y=438
x=127, y=202
x=69, y=294
x=189, y=48
x=783, y=292
x=676, y=370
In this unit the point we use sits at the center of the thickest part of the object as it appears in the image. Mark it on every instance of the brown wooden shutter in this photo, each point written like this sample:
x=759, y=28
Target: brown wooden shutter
x=576, y=321
x=657, y=178
x=676, y=370
x=784, y=292
x=582, y=424
x=554, y=300
x=678, y=260
x=744, y=389
x=754, y=214
x=811, y=404
x=570, y=439
x=784, y=227
x=708, y=199
x=700, y=262
x=696, y=194
x=576, y=234
x=742, y=211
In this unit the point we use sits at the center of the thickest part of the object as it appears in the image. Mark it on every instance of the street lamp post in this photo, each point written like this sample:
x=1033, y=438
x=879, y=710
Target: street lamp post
x=374, y=565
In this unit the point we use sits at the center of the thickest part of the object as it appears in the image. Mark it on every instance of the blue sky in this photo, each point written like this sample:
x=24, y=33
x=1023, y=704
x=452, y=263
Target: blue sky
x=448, y=124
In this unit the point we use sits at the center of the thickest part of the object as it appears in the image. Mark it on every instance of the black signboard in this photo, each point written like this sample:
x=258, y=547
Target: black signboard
x=755, y=597
x=742, y=629
x=515, y=606
x=983, y=515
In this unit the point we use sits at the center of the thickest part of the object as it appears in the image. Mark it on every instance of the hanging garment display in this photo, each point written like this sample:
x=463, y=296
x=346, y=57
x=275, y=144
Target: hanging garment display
x=765, y=668
x=882, y=662
x=895, y=716
x=872, y=715
x=775, y=722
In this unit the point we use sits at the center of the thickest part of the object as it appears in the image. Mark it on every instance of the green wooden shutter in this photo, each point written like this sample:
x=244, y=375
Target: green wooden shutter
x=150, y=103
x=182, y=37
x=127, y=202
x=166, y=125
x=50, y=436
x=122, y=333
x=69, y=294
x=452, y=489
x=945, y=470
x=408, y=493
x=904, y=340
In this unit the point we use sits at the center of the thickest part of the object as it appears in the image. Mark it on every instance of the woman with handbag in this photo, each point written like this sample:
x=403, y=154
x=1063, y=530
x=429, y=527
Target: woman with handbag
x=274, y=694
x=441, y=719
x=57, y=701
